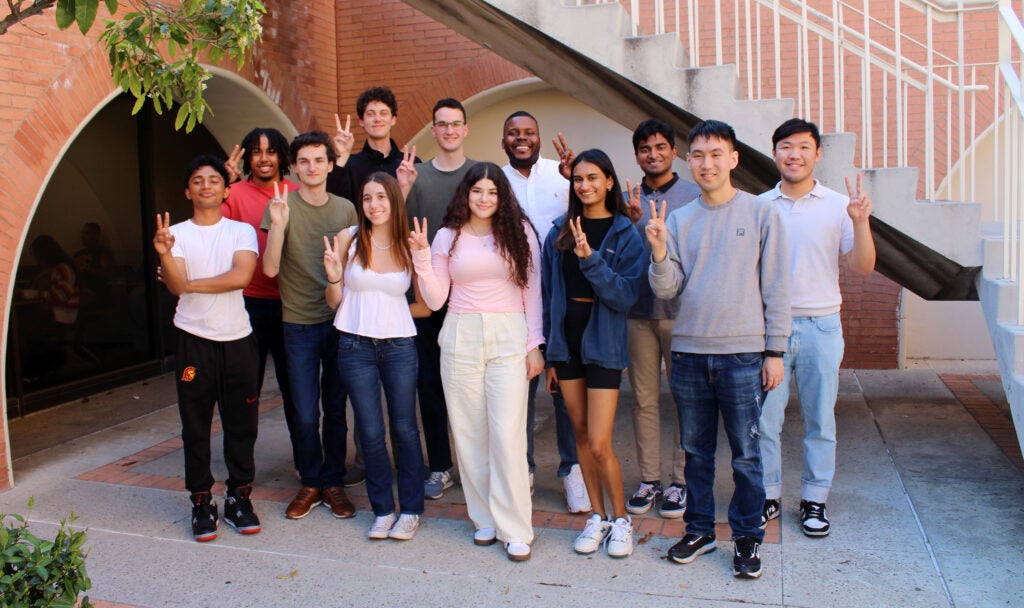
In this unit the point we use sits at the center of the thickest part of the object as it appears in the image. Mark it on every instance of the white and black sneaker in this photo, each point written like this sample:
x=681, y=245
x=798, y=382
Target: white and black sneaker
x=812, y=516
x=673, y=502
x=644, y=497
x=770, y=511
x=692, y=546
x=238, y=510
x=204, y=517
x=746, y=558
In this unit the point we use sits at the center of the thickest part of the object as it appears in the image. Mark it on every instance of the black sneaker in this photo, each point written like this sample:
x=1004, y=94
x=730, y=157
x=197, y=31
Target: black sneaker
x=692, y=545
x=204, y=517
x=770, y=511
x=644, y=497
x=746, y=559
x=812, y=515
x=238, y=510
x=673, y=502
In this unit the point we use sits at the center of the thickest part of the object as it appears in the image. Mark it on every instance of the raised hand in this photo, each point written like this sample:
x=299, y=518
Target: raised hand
x=633, y=208
x=344, y=139
x=418, y=236
x=860, y=205
x=657, y=234
x=279, y=205
x=565, y=156
x=332, y=259
x=234, y=163
x=406, y=171
x=582, y=249
x=163, y=240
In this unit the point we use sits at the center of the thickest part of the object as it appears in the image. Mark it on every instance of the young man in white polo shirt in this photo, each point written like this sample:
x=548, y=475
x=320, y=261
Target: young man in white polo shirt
x=207, y=261
x=822, y=225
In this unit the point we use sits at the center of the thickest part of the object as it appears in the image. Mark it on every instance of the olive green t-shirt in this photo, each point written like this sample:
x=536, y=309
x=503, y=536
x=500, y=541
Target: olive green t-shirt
x=302, y=278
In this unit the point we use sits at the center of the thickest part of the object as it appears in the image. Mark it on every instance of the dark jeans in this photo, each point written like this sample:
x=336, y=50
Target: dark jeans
x=704, y=386
x=265, y=317
x=365, y=364
x=563, y=429
x=312, y=355
x=433, y=411
x=221, y=373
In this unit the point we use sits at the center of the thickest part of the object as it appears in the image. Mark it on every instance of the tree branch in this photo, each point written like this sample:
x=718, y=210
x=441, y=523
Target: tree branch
x=17, y=14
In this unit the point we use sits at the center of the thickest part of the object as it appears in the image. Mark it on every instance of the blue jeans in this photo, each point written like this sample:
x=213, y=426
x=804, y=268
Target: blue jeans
x=312, y=353
x=813, y=358
x=563, y=429
x=704, y=386
x=365, y=364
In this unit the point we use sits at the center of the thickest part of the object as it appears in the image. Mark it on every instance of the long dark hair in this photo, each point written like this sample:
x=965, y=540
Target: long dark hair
x=508, y=224
x=398, y=223
x=613, y=200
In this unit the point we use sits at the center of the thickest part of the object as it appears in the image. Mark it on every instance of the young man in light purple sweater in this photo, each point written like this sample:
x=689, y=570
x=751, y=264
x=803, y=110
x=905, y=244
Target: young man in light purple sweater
x=725, y=256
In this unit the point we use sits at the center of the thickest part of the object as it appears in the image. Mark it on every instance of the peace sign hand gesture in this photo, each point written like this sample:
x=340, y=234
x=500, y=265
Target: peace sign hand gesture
x=565, y=156
x=279, y=205
x=633, y=208
x=163, y=240
x=418, y=237
x=406, y=172
x=332, y=260
x=344, y=139
x=233, y=164
x=657, y=234
x=582, y=249
x=860, y=205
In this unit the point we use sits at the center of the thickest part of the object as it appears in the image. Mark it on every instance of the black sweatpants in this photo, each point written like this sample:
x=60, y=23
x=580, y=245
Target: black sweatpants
x=226, y=374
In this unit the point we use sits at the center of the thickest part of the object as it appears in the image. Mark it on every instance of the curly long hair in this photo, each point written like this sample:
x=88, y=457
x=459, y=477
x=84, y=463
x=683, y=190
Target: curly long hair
x=613, y=201
x=508, y=224
x=398, y=223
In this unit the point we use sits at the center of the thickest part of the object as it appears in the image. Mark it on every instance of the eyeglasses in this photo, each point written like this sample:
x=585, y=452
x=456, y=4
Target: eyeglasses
x=455, y=124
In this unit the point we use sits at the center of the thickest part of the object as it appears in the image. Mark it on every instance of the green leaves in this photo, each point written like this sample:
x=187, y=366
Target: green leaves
x=66, y=13
x=156, y=52
x=85, y=13
x=40, y=572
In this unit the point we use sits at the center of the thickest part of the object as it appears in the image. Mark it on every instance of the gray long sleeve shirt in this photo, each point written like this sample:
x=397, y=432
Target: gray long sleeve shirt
x=729, y=265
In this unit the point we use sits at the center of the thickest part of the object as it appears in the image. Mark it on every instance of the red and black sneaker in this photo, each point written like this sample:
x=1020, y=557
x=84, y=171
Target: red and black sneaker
x=204, y=517
x=238, y=510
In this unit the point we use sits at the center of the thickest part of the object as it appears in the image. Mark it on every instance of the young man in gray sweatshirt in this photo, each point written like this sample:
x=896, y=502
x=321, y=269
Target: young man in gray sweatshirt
x=726, y=257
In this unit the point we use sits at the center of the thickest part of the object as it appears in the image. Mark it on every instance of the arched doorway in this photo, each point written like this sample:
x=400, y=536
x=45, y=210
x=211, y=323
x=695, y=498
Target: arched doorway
x=98, y=208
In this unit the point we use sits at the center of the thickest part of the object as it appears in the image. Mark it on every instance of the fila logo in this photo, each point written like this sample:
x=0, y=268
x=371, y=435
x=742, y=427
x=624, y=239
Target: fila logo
x=189, y=374
x=741, y=232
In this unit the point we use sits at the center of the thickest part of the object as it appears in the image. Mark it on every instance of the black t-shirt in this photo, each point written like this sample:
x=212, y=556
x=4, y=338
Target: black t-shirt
x=577, y=285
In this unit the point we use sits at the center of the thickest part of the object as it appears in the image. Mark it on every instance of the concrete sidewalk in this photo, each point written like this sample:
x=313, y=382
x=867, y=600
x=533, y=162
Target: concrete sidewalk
x=926, y=511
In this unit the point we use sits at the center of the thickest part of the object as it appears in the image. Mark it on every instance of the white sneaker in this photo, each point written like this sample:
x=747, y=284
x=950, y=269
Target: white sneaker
x=517, y=552
x=576, y=491
x=405, y=527
x=620, y=539
x=381, y=526
x=485, y=537
x=592, y=536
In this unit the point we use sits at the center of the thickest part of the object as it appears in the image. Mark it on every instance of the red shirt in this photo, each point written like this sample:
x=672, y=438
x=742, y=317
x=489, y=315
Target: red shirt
x=246, y=203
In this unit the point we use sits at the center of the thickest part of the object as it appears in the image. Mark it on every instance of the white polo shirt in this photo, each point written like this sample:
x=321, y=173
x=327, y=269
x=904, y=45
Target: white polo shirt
x=819, y=230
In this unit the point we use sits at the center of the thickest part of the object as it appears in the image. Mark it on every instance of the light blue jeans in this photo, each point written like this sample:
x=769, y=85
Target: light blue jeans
x=815, y=352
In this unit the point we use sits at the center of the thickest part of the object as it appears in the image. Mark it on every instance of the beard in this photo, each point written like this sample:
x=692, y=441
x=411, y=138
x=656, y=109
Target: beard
x=523, y=163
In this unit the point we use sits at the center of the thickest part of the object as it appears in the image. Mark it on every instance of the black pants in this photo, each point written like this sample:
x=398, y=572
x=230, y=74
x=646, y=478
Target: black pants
x=265, y=317
x=433, y=411
x=222, y=373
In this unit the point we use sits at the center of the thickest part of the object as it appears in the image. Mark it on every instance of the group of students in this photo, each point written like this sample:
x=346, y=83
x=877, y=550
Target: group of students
x=459, y=284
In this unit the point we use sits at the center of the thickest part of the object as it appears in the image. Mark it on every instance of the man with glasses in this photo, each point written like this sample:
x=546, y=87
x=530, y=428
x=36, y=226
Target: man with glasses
x=434, y=185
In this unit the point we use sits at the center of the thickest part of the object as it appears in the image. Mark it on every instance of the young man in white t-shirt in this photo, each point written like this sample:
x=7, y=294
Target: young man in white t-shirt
x=822, y=226
x=207, y=261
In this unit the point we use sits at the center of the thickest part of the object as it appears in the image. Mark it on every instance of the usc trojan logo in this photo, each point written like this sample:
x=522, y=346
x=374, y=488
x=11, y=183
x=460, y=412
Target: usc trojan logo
x=189, y=374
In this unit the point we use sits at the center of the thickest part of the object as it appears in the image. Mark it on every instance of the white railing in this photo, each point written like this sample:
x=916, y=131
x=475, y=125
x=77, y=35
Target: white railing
x=1010, y=146
x=897, y=72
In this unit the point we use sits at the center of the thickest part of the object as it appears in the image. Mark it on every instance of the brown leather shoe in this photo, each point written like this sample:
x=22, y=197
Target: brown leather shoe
x=338, y=501
x=303, y=503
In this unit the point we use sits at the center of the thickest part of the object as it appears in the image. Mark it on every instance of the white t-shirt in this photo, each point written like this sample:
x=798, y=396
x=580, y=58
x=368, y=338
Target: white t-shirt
x=209, y=251
x=544, y=196
x=819, y=230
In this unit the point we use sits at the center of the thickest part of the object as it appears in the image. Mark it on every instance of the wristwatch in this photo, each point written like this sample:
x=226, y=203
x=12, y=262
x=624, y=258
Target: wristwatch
x=774, y=353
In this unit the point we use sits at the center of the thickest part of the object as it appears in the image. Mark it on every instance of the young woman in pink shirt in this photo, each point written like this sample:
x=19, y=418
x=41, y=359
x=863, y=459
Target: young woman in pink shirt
x=485, y=261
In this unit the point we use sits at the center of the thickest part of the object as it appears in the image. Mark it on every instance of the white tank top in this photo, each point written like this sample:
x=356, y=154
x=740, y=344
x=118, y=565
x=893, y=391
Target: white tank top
x=373, y=304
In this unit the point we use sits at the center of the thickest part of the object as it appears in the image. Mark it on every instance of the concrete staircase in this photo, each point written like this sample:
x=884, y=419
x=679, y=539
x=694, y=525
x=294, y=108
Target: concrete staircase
x=588, y=52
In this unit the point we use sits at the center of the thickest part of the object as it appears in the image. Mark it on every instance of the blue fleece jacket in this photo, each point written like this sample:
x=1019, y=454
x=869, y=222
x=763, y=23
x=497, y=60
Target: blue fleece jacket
x=614, y=270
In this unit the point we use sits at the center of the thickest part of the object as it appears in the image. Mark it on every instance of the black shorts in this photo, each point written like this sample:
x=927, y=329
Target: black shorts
x=577, y=314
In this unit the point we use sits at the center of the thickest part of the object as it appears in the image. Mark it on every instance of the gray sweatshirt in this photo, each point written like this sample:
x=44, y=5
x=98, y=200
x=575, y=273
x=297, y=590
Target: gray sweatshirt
x=729, y=265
